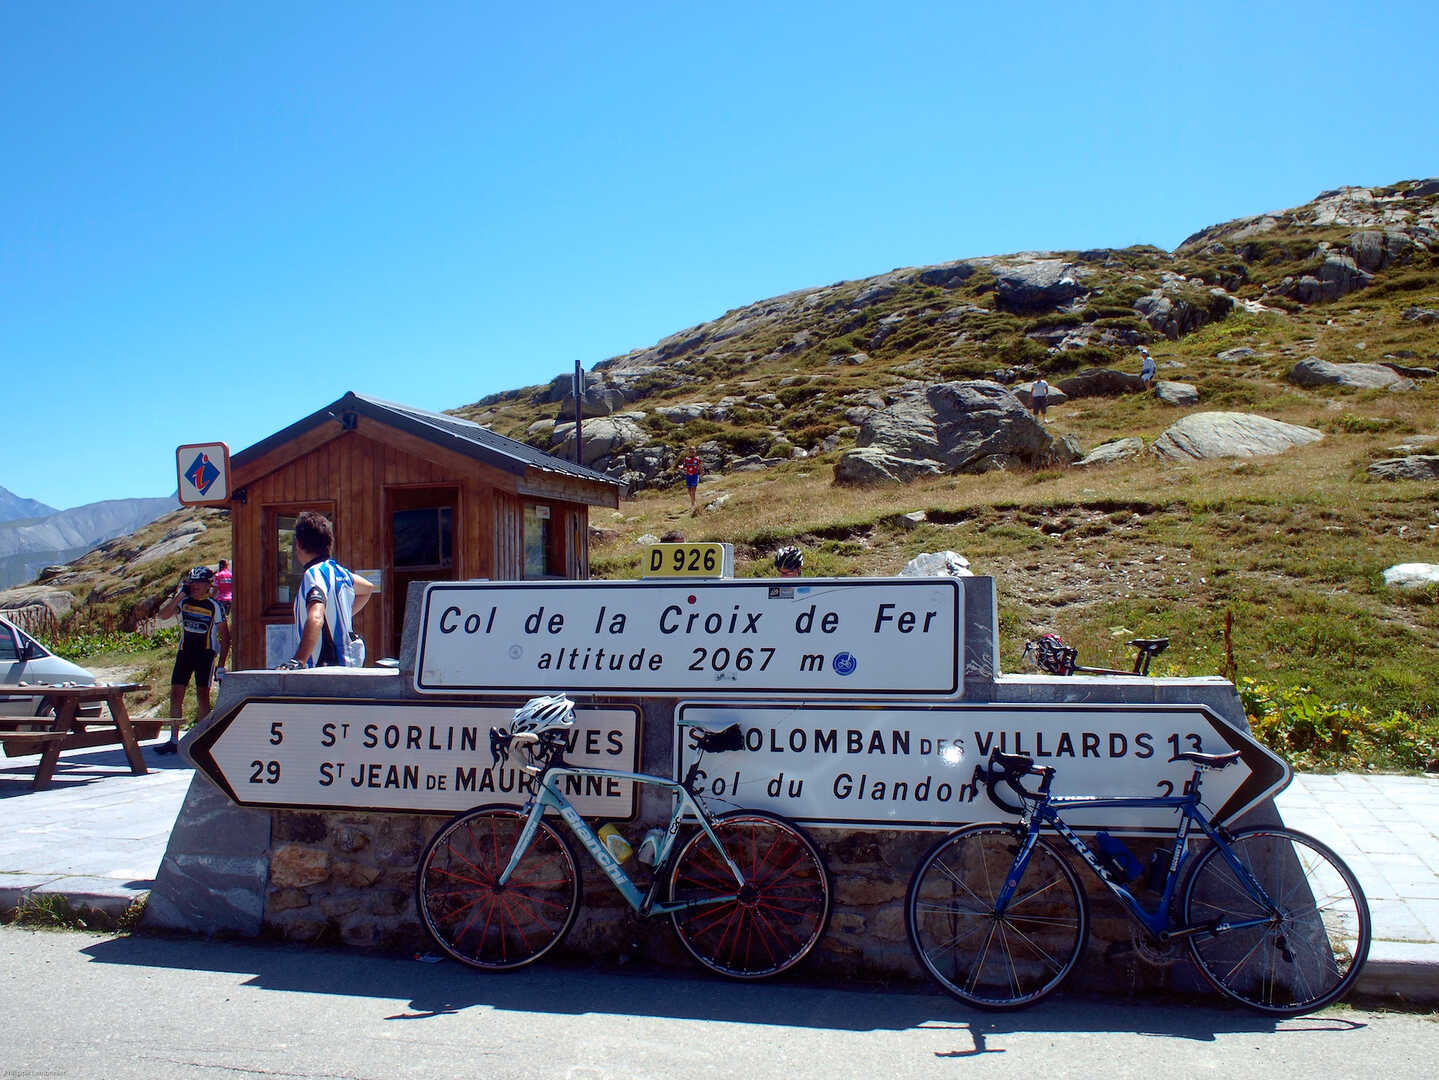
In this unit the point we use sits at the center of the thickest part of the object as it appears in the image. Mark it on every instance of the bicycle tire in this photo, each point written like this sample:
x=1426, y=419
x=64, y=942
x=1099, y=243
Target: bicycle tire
x=986, y=959
x=1310, y=953
x=476, y=921
x=781, y=912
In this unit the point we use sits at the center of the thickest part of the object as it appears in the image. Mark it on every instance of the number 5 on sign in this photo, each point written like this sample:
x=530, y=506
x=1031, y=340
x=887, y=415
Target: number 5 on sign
x=709, y=560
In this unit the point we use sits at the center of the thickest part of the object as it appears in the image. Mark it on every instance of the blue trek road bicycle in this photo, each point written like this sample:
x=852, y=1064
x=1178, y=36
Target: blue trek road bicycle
x=1272, y=918
x=499, y=886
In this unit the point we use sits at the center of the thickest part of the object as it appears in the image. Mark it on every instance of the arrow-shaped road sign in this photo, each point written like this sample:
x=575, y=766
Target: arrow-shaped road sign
x=430, y=757
x=912, y=766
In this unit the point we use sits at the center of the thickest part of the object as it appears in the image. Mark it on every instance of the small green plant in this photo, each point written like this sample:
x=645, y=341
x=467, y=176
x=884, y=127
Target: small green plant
x=1362, y=425
x=50, y=911
x=1311, y=733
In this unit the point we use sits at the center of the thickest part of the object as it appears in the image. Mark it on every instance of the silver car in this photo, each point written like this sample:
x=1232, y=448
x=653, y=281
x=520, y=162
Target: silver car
x=23, y=659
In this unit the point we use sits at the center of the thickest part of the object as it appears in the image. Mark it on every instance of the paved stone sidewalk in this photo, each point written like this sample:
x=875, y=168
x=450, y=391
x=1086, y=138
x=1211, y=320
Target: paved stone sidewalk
x=96, y=836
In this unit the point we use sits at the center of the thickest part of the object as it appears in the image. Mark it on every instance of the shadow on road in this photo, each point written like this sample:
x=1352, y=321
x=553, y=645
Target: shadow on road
x=434, y=989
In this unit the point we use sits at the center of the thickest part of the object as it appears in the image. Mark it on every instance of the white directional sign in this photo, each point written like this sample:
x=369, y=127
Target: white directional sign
x=912, y=766
x=418, y=756
x=813, y=638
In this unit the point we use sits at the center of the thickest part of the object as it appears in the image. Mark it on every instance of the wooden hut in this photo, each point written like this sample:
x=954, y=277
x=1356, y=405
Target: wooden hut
x=414, y=496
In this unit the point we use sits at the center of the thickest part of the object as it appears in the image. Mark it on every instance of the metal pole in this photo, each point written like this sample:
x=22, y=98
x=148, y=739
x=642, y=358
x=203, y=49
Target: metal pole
x=579, y=394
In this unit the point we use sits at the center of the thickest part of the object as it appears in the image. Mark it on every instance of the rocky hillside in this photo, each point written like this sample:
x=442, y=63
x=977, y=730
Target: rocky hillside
x=34, y=542
x=800, y=373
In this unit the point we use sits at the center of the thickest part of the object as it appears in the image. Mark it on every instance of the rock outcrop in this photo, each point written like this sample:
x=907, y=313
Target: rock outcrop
x=1225, y=434
x=1111, y=452
x=1316, y=372
x=944, y=428
x=1412, y=467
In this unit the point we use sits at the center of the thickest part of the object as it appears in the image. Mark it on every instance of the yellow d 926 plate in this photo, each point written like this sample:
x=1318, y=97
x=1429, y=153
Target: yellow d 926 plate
x=708, y=560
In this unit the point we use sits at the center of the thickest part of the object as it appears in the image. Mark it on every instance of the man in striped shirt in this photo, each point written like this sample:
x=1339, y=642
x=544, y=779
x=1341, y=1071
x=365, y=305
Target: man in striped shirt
x=328, y=598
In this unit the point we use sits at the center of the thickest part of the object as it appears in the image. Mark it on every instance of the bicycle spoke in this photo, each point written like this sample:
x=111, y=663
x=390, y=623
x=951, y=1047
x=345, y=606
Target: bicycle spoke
x=769, y=923
x=474, y=918
x=977, y=953
x=1313, y=940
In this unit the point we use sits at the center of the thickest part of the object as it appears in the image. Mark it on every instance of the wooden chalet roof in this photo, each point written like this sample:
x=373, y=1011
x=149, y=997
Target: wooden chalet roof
x=447, y=432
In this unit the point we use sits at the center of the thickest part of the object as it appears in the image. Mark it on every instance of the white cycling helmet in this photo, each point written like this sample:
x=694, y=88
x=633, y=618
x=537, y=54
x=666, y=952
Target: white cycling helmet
x=542, y=713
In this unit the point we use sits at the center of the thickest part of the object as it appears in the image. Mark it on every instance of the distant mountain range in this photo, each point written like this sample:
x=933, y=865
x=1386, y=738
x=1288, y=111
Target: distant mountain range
x=13, y=507
x=34, y=536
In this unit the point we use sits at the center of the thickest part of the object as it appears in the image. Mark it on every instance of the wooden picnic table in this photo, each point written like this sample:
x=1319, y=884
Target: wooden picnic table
x=70, y=726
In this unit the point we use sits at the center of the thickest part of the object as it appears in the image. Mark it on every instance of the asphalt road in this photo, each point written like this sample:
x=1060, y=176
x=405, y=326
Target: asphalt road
x=74, y=1005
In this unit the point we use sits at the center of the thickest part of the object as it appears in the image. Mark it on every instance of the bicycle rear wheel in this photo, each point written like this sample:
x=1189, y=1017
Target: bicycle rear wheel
x=480, y=922
x=982, y=956
x=779, y=914
x=1311, y=946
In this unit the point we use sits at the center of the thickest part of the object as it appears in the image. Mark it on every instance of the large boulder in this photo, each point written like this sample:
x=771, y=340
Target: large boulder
x=1023, y=391
x=1035, y=285
x=1111, y=452
x=1100, y=382
x=1375, y=249
x=172, y=543
x=1226, y=434
x=945, y=428
x=55, y=602
x=602, y=438
x=1411, y=575
x=1316, y=372
x=1412, y=467
x=937, y=564
x=1176, y=393
x=869, y=465
x=1177, y=315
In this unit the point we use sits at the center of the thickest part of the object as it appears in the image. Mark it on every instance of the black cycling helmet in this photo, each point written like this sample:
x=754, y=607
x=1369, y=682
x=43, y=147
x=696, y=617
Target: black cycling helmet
x=200, y=573
x=789, y=558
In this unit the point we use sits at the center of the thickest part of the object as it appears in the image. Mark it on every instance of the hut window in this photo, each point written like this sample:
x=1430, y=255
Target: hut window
x=424, y=538
x=287, y=567
x=281, y=569
x=540, y=560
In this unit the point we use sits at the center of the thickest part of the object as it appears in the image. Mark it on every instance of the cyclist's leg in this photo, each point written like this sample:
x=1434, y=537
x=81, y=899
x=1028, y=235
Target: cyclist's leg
x=981, y=957
x=470, y=915
x=1298, y=960
x=780, y=912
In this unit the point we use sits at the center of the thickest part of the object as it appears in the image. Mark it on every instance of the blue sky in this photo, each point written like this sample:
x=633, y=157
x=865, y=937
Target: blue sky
x=216, y=218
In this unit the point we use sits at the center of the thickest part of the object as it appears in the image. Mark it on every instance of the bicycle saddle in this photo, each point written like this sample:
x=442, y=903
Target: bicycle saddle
x=719, y=742
x=1208, y=761
x=1151, y=644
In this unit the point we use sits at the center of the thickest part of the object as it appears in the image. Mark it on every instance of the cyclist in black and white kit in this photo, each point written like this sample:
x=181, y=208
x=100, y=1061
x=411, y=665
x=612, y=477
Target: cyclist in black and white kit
x=204, y=637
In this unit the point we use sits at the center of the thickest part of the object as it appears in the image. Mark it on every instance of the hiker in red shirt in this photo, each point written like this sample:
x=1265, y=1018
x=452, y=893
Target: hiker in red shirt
x=692, y=469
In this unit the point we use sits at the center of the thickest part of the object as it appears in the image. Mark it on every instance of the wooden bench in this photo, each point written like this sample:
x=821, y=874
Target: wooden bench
x=71, y=725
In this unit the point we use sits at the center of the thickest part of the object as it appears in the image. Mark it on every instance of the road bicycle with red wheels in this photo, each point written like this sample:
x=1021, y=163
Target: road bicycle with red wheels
x=498, y=887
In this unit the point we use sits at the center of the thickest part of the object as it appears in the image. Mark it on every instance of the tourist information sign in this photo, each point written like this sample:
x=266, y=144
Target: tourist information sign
x=812, y=638
x=429, y=757
x=912, y=766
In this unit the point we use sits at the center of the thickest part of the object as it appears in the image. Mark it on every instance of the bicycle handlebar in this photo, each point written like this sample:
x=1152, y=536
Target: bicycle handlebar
x=1009, y=769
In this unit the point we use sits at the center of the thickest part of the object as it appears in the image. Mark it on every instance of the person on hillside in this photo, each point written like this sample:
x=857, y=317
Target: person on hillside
x=789, y=561
x=1147, y=368
x=692, y=467
x=327, y=600
x=225, y=586
x=204, y=637
x=1039, y=397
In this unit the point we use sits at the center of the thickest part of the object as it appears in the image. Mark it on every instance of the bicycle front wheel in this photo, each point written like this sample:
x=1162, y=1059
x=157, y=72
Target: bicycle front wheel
x=485, y=924
x=1312, y=941
x=985, y=957
x=777, y=916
